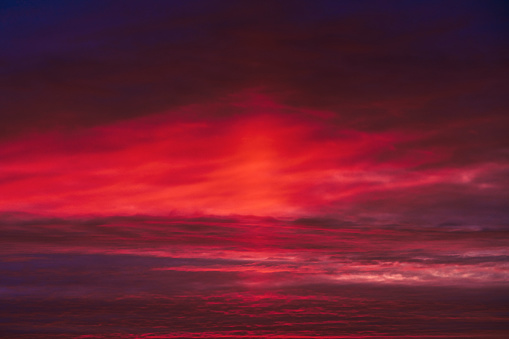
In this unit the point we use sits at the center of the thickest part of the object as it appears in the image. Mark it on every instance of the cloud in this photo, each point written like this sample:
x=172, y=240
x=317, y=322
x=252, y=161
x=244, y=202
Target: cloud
x=371, y=66
x=280, y=109
x=253, y=169
x=252, y=251
x=267, y=159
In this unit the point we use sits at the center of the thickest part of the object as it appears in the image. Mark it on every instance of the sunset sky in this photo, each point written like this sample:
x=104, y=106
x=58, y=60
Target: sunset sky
x=254, y=169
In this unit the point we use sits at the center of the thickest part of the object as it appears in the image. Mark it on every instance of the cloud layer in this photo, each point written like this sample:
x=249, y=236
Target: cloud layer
x=176, y=277
x=272, y=252
x=265, y=159
x=253, y=169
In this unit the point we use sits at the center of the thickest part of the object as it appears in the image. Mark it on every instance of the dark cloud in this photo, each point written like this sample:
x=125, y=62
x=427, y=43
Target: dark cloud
x=282, y=250
x=372, y=65
x=454, y=204
x=325, y=310
x=247, y=276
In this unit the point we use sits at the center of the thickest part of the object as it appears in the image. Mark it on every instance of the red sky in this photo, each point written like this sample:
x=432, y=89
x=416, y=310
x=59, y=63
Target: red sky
x=267, y=158
x=255, y=169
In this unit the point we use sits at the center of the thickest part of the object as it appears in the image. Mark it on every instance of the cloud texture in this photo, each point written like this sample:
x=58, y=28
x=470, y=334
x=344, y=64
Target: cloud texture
x=254, y=169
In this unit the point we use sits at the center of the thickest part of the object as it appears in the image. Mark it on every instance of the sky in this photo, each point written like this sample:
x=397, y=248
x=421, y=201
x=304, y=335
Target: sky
x=254, y=169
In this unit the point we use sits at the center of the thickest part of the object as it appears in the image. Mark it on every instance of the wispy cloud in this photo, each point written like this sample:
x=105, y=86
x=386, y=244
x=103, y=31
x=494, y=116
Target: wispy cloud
x=271, y=252
x=271, y=159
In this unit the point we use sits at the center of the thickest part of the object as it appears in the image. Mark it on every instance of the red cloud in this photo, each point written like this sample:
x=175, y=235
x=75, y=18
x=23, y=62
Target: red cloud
x=269, y=160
